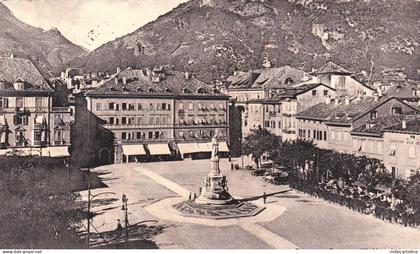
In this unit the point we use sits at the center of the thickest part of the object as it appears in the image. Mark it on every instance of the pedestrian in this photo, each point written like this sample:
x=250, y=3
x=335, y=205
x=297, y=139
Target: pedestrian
x=231, y=166
x=119, y=227
x=200, y=189
x=189, y=198
x=265, y=197
x=195, y=196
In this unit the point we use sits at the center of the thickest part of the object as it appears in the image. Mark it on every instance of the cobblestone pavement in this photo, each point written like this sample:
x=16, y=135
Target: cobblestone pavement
x=307, y=222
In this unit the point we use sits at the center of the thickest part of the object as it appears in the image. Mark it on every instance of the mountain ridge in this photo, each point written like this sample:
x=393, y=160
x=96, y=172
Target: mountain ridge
x=214, y=38
x=49, y=47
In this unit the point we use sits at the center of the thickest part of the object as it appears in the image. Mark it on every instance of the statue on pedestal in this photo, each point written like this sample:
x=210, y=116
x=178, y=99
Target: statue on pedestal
x=214, y=187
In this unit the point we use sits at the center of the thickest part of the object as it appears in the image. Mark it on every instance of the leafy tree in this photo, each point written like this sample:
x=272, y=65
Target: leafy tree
x=413, y=194
x=36, y=209
x=259, y=142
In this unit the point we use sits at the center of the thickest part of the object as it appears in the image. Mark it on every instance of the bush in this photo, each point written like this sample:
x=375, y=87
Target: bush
x=36, y=210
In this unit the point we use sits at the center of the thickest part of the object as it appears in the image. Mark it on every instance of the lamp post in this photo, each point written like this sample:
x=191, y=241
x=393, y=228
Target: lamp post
x=125, y=208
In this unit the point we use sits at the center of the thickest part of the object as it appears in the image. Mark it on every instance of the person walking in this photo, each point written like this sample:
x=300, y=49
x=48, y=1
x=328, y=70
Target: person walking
x=119, y=227
x=265, y=197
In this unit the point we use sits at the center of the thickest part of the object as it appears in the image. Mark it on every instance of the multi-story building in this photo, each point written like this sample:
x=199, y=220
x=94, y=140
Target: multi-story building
x=160, y=113
x=402, y=147
x=277, y=112
x=32, y=121
x=342, y=80
x=330, y=124
x=368, y=140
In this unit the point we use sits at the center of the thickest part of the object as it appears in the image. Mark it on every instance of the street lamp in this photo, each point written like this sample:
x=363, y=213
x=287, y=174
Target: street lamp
x=125, y=208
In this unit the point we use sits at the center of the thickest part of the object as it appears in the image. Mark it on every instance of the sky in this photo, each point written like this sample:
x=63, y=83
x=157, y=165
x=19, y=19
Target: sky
x=90, y=23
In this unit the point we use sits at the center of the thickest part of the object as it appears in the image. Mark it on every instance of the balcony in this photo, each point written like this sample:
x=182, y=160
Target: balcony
x=38, y=126
x=59, y=142
x=272, y=113
x=38, y=143
x=60, y=109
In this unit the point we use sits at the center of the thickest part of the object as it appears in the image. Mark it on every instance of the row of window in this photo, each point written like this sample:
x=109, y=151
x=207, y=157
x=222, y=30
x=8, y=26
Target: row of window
x=340, y=135
x=151, y=135
x=314, y=134
x=411, y=151
x=315, y=92
x=19, y=102
x=137, y=120
x=21, y=137
x=368, y=146
x=133, y=106
x=154, y=106
x=22, y=119
x=200, y=106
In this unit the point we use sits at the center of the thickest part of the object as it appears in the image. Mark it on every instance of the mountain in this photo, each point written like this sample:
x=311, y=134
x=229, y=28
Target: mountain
x=49, y=47
x=213, y=38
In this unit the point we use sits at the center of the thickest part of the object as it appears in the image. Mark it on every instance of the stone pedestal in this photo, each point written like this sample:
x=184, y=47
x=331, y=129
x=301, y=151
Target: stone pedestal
x=214, y=188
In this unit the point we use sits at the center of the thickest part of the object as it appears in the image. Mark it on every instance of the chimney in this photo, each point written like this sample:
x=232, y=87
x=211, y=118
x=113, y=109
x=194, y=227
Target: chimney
x=404, y=124
x=125, y=80
x=414, y=92
x=118, y=69
x=379, y=91
x=187, y=75
x=328, y=100
x=116, y=80
x=376, y=96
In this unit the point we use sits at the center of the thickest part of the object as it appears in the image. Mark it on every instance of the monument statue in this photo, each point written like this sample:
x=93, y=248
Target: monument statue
x=214, y=189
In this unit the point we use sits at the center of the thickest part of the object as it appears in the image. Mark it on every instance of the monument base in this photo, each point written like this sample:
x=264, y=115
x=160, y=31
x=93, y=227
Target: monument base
x=219, y=211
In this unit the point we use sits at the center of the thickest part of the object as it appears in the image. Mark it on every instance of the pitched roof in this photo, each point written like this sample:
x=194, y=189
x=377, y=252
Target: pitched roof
x=413, y=127
x=13, y=69
x=332, y=67
x=268, y=78
x=404, y=92
x=139, y=83
x=342, y=112
x=376, y=126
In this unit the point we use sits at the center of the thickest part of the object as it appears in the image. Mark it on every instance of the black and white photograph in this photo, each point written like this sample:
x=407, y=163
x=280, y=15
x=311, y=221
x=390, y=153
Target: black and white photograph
x=209, y=125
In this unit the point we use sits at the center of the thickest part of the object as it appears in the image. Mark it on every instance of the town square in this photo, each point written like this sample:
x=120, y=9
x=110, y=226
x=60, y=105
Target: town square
x=214, y=125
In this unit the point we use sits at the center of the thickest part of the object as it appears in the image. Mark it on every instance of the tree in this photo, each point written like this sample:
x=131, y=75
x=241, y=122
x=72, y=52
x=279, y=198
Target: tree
x=259, y=142
x=36, y=210
x=413, y=194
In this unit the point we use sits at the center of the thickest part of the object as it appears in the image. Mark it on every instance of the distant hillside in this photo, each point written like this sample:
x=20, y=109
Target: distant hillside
x=49, y=47
x=215, y=37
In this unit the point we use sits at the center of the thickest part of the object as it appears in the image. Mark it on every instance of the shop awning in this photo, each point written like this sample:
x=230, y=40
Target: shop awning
x=27, y=151
x=188, y=148
x=159, y=149
x=3, y=152
x=204, y=147
x=223, y=147
x=56, y=151
x=133, y=150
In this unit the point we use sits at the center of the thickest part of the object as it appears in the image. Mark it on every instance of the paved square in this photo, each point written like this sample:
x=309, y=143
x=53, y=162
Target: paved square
x=305, y=222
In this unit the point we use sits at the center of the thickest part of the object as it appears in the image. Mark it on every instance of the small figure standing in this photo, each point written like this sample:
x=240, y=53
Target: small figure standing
x=119, y=227
x=195, y=196
x=190, y=197
x=231, y=166
x=265, y=197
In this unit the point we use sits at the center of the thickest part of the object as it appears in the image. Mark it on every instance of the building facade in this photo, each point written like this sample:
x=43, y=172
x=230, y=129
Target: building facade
x=151, y=112
x=402, y=147
x=30, y=122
